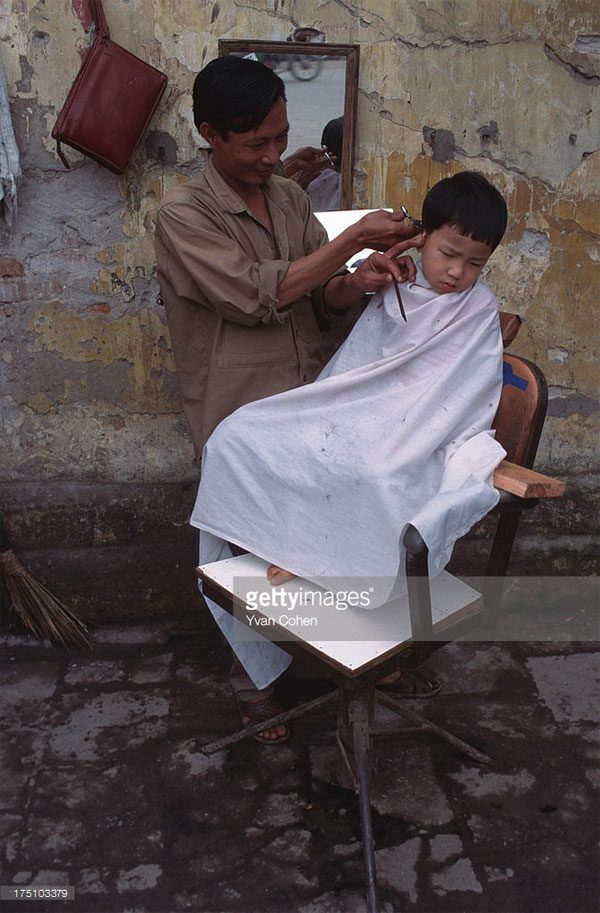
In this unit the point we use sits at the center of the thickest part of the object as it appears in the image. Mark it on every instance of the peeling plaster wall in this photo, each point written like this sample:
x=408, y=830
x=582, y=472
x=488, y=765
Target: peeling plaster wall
x=507, y=87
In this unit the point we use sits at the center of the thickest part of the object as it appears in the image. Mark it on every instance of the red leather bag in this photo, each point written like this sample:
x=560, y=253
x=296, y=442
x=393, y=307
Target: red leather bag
x=111, y=102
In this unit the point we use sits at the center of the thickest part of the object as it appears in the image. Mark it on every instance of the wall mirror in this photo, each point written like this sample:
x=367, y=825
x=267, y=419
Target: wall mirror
x=321, y=85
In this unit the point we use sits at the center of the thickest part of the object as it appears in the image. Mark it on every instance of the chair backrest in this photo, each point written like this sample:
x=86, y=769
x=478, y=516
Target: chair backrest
x=522, y=410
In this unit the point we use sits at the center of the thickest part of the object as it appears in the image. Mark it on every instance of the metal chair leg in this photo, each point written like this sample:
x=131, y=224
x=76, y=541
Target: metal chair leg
x=425, y=725
x=360, y=719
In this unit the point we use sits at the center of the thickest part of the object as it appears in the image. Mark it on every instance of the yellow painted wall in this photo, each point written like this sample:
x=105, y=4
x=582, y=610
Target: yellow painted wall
x=506, y=87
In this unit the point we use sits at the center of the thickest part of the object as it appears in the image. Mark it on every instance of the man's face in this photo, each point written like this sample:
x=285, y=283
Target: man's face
x=249, y=158
x=451, y=262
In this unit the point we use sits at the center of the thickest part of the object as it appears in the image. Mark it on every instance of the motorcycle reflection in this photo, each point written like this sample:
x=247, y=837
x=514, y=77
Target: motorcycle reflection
x=303, y=67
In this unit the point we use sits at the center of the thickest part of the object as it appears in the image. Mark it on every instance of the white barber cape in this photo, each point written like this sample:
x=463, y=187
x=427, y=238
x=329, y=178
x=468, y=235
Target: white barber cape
x=322, y=480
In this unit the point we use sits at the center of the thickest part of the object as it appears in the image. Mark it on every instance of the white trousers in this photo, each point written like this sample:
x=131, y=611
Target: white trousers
x=263, y=660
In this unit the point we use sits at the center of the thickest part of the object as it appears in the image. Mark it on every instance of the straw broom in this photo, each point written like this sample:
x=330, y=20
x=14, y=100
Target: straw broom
x=45, y=615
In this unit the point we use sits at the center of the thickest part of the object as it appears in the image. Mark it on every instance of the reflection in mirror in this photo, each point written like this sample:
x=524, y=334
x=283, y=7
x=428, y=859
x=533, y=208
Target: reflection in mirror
x=324, y=190
x=321, y=86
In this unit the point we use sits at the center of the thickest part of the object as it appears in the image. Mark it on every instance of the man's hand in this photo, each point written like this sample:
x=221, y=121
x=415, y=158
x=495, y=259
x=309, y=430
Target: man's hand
x=378, y=270
x=305, y=164
x=383, y=230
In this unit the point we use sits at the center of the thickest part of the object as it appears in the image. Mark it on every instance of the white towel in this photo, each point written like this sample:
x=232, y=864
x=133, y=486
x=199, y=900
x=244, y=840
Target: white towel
x=322, y=480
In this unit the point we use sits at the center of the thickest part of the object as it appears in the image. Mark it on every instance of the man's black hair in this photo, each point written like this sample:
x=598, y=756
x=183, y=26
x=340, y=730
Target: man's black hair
x=470, y=204
x=232, y=93
x=333, y=138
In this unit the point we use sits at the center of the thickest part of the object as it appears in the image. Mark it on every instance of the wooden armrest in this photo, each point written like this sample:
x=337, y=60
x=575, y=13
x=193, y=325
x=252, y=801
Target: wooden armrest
x=510, y=324
x=525, y=483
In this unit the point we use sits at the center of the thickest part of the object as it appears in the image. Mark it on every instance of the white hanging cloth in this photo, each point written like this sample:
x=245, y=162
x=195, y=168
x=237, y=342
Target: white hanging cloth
x=10, y=168
x=322, y=480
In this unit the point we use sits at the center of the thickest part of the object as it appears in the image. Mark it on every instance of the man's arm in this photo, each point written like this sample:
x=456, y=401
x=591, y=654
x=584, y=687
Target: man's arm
x=200, y=262
x=203, y=263
x=304, y=165
x=380, y=230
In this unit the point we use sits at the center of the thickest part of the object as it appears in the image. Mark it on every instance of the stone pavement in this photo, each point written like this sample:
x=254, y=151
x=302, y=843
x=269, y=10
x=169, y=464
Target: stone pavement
x=104, y=786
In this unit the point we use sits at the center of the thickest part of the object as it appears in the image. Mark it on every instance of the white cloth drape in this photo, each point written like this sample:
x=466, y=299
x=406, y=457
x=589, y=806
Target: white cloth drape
x=10, y=169
x=323, y=479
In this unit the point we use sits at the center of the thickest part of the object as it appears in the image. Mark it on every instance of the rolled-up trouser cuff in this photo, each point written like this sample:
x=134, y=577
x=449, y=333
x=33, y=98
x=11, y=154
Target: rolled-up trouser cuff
x=242, y=685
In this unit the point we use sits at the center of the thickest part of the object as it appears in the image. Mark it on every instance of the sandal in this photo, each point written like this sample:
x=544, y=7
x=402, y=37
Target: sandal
x=257, y=712
x=412, y=683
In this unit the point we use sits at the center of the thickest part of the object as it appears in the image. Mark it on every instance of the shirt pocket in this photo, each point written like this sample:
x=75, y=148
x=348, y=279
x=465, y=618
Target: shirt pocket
x=262, y=344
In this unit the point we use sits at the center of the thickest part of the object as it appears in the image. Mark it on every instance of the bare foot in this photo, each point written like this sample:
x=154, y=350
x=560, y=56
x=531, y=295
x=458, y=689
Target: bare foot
x=276, y=575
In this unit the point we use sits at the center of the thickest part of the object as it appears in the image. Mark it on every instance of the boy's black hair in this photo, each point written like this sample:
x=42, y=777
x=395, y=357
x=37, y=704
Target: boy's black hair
x=468, y=202
x=232, y=93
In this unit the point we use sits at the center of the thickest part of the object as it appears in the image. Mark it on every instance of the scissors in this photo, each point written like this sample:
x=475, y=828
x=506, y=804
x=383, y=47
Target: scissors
x=331, y=161
x=416, y=222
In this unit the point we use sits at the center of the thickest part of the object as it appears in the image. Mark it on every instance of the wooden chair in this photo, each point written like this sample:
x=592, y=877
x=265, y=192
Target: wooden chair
x=439, y=610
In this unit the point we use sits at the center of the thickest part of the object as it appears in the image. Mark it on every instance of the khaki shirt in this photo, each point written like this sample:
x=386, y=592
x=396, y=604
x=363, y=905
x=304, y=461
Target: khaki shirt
x=219, y=269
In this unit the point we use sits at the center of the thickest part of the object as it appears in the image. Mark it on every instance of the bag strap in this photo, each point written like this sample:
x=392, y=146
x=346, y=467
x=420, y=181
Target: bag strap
x=99, y=18
x=62, y=156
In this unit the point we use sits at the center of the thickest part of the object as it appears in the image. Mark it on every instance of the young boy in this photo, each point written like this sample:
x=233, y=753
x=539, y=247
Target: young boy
x=464, y=220
x=323, y=479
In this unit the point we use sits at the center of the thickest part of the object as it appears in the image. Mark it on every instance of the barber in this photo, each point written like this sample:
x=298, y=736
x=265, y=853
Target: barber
x=244, y=267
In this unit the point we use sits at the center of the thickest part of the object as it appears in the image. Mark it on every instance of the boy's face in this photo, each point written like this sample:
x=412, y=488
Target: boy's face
x=451, y=262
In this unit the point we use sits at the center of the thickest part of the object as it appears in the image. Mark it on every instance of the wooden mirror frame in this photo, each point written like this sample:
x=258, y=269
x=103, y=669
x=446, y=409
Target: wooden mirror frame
x=317, y=49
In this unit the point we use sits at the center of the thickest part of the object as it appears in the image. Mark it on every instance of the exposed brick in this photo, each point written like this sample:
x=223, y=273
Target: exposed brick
x=100, y=308
x=11, y=268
